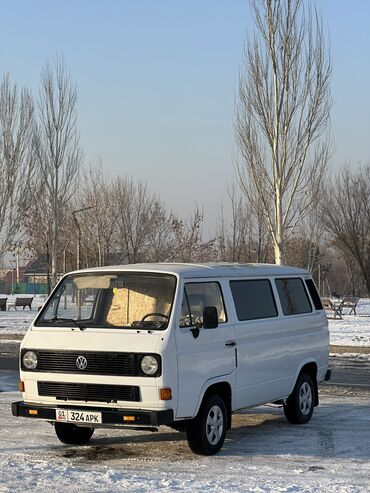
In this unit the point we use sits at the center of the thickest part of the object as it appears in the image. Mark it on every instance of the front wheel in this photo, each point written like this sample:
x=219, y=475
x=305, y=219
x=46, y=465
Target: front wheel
x=206, y=433
x=71, y=434
x=299, y=406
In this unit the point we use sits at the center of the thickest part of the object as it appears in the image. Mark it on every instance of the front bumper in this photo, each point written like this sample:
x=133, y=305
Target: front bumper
x=110, y=417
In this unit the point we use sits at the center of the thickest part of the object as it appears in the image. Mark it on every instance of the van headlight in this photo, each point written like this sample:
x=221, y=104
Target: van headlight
x=30, y=360
x=149, y=365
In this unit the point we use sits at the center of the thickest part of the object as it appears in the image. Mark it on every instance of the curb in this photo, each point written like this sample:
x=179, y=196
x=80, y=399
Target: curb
x=349, y=349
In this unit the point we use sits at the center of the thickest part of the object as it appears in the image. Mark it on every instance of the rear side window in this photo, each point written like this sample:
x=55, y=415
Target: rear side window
x=293, y=296
x=253, y=299
x=314, y=294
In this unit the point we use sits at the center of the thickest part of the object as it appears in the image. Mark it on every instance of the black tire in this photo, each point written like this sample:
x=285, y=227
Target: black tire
x=299, y=406
x=71, y=434
x=205, y=438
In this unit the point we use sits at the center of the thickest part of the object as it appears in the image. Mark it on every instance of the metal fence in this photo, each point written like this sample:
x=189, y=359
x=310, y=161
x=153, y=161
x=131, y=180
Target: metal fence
x=23, y=288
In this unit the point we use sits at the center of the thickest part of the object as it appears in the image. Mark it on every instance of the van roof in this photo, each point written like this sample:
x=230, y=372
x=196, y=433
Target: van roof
x=206, y=269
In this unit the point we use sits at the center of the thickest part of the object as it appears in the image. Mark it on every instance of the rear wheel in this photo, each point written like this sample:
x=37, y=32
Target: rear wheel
x=71, y=434
x=206, y=433
x=299, y=406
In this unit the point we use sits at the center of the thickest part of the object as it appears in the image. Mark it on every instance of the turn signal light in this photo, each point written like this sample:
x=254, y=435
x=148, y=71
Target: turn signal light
x=21, y=386
x=165, y=394
x=33, y=412
x=128, y=418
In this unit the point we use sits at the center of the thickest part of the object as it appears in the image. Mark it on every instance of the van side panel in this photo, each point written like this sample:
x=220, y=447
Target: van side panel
x=272, y=351
x=272, y=363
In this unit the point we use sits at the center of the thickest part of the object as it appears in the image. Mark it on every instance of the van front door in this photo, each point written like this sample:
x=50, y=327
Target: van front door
x=202, y=354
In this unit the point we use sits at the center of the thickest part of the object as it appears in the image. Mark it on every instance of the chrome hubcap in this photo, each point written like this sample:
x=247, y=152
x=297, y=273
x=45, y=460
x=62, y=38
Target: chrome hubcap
x=214, y=425
x=305, y=399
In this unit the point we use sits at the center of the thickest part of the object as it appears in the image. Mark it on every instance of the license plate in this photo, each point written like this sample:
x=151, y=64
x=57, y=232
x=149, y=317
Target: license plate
x=75, y=416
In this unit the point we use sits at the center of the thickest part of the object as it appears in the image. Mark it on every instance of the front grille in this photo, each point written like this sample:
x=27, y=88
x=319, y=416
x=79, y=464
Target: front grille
x=89, y=392
x=98, y=363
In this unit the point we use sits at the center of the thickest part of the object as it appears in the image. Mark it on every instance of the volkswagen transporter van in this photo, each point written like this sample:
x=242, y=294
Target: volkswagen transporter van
x=183, y=345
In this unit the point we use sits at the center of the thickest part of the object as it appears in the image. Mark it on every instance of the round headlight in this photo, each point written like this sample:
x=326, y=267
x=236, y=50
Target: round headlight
x=30, y=360
x=149, y=365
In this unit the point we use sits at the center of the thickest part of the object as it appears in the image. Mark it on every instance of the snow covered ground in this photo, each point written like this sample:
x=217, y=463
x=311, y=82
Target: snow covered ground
x=262, y=453
x=353, y=330
x=18, y=321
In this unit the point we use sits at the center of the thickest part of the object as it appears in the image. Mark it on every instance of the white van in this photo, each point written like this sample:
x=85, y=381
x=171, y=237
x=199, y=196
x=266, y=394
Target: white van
x=182, y=345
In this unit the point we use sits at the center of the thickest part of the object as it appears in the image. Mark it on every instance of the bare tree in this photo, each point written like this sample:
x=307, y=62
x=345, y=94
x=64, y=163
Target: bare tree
x=244, y=237
x=341, y=274
x=96, y=220
x=346, y=216
x=36, y=222
x=56, y=144
x=282, y=115
x=313, y=230
x=233, y=238
x=187, y=244
x=16, y=164
x=135, y=209
x=146, y=232
x=160, y=239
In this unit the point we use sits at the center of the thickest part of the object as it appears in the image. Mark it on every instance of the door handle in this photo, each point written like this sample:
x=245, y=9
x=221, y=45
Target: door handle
x=230, y=344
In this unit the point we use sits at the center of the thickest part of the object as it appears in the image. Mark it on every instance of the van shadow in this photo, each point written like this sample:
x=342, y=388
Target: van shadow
x=335, y=431
x=169, y=445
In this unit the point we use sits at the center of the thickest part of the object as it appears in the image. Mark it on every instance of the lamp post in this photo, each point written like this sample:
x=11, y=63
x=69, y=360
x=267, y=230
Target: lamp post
x=65, y=257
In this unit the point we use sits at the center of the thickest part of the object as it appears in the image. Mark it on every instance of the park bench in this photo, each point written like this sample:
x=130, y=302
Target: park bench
x=21, y=301
x=332, y=308
x=349, y=302
x=3, y=304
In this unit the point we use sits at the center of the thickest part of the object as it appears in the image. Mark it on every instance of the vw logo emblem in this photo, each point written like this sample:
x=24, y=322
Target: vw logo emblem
x=81, y=362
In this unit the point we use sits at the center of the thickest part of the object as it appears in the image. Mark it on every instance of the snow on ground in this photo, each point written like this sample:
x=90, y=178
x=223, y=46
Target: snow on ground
x=262, y=453
x=353, y=330
x=17, y=321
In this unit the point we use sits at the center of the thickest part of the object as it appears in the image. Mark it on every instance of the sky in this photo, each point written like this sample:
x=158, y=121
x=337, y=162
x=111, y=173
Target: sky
x=157, y=81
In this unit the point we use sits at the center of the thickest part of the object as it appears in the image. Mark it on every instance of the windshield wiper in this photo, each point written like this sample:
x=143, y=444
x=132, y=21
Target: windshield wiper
x=56, y=320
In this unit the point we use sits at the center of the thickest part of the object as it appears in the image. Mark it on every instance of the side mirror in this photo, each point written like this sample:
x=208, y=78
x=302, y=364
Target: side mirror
x=210, y=317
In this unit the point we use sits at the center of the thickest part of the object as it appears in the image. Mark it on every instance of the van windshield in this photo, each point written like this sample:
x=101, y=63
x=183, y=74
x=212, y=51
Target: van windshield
x=111, y=300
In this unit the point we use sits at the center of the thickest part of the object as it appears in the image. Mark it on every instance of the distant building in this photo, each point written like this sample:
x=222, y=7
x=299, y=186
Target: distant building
x=33, y=278
x=36, y=271
x=8, y=279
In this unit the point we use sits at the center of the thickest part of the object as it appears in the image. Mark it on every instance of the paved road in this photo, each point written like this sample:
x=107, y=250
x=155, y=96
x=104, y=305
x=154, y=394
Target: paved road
x=350, y=372
x=346, y=372
x=9, y=355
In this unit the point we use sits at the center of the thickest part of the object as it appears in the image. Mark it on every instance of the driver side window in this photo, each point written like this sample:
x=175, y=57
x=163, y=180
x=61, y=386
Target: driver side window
x=196, y=297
